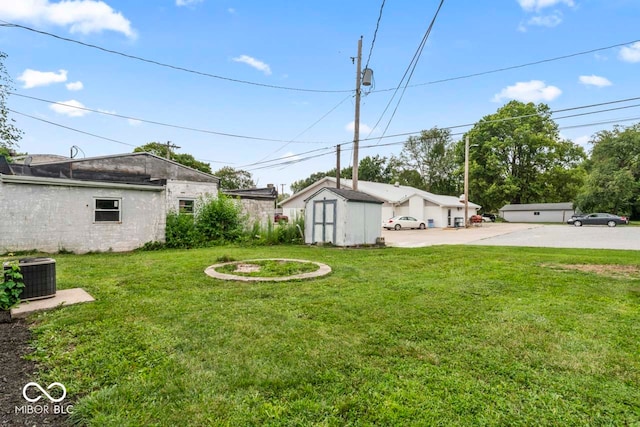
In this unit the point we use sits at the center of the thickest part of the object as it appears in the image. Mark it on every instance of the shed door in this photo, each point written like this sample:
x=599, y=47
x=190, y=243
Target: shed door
x=324, y=221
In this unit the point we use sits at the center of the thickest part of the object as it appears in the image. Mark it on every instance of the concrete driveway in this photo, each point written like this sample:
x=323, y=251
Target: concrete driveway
x=519, y=234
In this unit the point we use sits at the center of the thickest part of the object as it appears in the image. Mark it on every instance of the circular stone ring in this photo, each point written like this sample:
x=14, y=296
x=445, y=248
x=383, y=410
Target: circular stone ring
x=323, y=270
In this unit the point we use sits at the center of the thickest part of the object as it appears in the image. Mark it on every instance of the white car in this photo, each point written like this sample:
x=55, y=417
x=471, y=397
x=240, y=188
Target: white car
x=400, y=222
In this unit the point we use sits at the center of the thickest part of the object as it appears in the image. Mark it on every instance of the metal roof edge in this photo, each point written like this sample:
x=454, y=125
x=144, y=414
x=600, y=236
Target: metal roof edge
x=62, y=182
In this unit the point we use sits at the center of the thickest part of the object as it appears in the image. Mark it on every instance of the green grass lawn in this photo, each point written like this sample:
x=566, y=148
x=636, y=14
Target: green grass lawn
x=447, y=335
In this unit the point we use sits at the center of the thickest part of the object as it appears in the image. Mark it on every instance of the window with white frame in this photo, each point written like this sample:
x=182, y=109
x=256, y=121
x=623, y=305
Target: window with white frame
x=185, y=206
x=107, y=210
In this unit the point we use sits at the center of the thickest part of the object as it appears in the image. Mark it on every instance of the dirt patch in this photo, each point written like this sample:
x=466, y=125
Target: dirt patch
x=16, y=372
x=611, y=270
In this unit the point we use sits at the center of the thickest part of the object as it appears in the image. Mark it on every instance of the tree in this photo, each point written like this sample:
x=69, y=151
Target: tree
x=431, y=156
x=613, y=183
x=161, y=150
x=374, y=169
x=232, y=179
x=519, y=157
x=10, y=135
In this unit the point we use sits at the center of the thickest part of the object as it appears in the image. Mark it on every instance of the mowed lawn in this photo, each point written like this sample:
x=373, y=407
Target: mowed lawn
x=447, y=335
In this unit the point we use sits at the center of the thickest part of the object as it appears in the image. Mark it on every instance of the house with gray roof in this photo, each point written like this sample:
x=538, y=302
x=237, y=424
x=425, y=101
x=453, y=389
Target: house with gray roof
x=537, y=212
x=397, y=200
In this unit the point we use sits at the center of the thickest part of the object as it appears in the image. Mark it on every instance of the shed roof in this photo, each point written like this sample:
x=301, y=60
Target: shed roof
x=385, y=192
x=351, y=195
x=567, y=206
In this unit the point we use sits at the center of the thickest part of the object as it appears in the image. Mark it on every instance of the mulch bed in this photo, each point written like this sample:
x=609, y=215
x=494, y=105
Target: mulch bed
x=15, y=373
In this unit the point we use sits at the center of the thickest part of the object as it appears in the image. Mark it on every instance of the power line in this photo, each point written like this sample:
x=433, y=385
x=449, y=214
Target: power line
x=307, y=129
x=70, y=128
x=409, y=71
x=375, y=33
x=512, y=118
x=230, y=135
x=514, y=67
x=162, y=64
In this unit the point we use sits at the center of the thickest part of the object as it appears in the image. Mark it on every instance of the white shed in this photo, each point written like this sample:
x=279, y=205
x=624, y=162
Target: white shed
x=537, y=212
x=342, y=217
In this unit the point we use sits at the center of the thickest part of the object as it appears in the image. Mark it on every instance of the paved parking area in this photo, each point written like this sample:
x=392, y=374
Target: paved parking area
x=509, y=234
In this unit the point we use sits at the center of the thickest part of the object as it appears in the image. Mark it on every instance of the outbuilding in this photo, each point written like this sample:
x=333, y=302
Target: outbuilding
x=537, y=212
x=439, y=210
x=342, y=217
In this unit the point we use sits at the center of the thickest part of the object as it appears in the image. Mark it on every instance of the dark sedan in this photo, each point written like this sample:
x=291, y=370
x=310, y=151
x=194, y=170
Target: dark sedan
x=598, y=219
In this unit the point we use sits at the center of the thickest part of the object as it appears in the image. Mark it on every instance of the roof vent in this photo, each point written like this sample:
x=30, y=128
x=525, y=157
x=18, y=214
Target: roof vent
x=397, y=184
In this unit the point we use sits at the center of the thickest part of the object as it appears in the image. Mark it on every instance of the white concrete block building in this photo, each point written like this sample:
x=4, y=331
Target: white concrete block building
x=104, y=203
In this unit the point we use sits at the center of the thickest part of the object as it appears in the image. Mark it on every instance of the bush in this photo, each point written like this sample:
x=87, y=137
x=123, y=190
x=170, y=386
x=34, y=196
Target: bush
x=215, y=222
x=180, y=231
x=11, y=287
x=220, y=220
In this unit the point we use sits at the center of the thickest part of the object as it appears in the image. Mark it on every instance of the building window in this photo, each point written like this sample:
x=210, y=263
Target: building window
x=536, y=213
x=185, y=206
x=107, y=210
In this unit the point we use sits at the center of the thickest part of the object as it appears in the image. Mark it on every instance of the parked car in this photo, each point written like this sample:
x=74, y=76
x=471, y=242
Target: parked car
x=477, y=219
x=488, y=217
x=279, y=217
x=399, y=222
x=598, y=219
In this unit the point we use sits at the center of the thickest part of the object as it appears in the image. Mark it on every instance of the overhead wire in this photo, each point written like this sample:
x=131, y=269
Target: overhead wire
x=163, y=64
x=375, y=34
x=70, y=128
x=409, y=71
x=307, y=129
x=107, y=113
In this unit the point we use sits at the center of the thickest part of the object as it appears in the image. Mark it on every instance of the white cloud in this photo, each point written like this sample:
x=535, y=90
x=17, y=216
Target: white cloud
x=69, y=108
x=364, y=129
x=594, y=80
x=549, y=21
x=187, y=2
x=536, y=5
x=81, y=16
x=75, y=86
x=630, y=53
x=582, y=140
x=134, y=122
x=255, y=63
x=33, y=78
x=232, y=11
x=290, y=156
x=532, y=91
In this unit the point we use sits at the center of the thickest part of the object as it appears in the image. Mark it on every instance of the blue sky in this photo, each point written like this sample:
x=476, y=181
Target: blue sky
x=297, y=60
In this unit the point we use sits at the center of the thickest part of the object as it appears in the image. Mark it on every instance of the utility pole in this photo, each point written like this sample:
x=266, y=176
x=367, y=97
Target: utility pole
x=169, y=147
x=466, y=181
x=282, y=186
x=356, y=123
x=338, y=166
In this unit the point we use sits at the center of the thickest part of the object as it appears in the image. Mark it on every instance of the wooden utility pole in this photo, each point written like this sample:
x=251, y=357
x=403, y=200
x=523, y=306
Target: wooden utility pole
x=169, y=147
x=356, y=123
x=338, y=166
x=466, y=181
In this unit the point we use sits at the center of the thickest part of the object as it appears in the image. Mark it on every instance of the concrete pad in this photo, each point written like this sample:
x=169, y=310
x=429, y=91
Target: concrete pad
x=451, y=236
x=62, y=298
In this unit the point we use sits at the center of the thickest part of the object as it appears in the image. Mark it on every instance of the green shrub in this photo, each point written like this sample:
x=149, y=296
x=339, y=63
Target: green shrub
x=11, y=286
x=181, y=231
x=219, y=220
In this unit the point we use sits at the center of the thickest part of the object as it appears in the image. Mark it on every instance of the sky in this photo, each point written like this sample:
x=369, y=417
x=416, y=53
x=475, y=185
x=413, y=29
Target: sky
x=269, y=87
